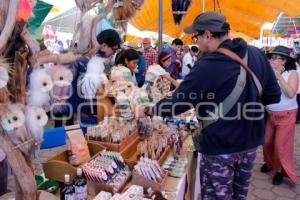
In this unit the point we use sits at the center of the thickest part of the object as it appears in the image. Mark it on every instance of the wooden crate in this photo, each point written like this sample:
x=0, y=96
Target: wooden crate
x=146, y=183
x=130, y=154
x=94, y=188
x=122, y=146
x=57, y=166
x=105, y=105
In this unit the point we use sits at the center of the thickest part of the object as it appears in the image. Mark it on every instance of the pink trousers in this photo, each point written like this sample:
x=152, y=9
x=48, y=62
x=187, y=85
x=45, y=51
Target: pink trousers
x=279, y=142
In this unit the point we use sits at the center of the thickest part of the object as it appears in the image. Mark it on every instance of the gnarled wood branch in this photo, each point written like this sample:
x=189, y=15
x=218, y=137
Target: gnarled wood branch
x=87, y=41
x=86, y=5
x=24, y=175
x=9, y=23
x=34, y=47
x=96, y=20
x=46, y=56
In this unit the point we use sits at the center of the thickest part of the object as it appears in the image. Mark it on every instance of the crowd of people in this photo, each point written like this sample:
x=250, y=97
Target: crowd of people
x=228, y=147
x=228, y=74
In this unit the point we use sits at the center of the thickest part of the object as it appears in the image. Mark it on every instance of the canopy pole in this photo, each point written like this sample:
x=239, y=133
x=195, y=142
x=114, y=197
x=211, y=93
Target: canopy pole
x=203, y=5
x=160, y=25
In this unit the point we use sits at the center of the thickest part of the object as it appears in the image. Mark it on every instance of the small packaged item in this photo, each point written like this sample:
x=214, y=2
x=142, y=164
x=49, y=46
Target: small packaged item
x=175, y=166
x=78, y=151
x=103, y=196
x=108, y=169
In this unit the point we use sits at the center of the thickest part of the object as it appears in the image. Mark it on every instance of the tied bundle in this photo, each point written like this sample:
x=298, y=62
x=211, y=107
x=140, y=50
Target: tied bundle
x=123, y=10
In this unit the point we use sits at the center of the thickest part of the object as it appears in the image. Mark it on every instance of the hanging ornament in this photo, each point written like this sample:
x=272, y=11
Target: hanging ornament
x=36, y=119
x=24, y=11
x=179, y=8
x=12, y=117
x=40, y=81
x=61, y=75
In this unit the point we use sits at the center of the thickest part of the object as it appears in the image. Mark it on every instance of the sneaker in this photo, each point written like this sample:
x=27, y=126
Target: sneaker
x=265, y=168
x=277, y=179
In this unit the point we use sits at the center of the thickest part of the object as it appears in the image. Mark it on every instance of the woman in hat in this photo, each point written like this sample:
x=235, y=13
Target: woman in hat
x=280, y=125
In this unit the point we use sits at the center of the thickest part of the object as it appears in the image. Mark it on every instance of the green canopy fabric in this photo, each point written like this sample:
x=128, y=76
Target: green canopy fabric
x=40, y=12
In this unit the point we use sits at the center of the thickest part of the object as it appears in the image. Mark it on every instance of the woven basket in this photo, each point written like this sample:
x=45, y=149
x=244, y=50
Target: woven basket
x=161, y=88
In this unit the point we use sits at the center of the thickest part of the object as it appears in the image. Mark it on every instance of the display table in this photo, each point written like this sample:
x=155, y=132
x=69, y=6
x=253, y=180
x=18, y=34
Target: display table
x=175, y=188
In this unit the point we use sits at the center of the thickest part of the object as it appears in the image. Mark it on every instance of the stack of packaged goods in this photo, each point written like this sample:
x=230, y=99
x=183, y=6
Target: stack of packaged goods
x=109, y=169
x=112, y=130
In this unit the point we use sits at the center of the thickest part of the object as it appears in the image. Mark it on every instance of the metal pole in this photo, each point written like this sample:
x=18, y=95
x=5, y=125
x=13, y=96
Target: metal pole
x=203, y=5
x=160, y=25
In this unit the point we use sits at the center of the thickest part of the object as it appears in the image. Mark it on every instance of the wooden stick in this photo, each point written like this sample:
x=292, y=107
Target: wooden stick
x=9, y=24
x=23, y=174
x=34, y=47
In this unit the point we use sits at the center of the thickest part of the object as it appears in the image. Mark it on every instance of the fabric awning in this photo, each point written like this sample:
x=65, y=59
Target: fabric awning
x=245, y=16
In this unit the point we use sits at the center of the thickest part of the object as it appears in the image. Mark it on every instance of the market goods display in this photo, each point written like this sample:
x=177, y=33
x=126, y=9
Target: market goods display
x=78, y=151
x=161, y=88
x=108, y=168
x=175, y=166
x=123, y=107
x=154, y=146
x=134, y=192
x=150, y=169
x=112, y=130
x=121, y=80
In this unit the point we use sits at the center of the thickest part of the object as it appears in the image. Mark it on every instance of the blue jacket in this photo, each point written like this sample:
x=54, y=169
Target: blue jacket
x=77, y=101
x=140, y=76
x=211, y=80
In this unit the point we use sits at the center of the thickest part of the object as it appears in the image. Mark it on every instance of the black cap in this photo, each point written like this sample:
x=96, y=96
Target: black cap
x=283, y=51
x=211, y=21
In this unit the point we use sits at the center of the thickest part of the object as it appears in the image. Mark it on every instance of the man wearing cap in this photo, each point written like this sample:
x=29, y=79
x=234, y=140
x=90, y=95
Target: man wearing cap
x=149, y=54
x=228, y=95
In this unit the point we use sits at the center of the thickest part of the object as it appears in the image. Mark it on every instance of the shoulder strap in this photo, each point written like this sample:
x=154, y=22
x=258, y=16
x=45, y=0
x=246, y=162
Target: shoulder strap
x=236, y=58
x=229, y=102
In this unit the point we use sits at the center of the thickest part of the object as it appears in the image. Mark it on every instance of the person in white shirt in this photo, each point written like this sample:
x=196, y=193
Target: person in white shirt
x=281, y=120
x=189, y=58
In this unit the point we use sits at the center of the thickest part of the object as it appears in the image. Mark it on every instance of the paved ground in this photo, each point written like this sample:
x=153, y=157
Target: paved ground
x=260, y=188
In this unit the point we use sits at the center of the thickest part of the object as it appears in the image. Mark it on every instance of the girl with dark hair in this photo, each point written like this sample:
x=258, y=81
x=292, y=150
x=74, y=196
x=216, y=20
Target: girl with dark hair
x=281, y=120
x=130, y=59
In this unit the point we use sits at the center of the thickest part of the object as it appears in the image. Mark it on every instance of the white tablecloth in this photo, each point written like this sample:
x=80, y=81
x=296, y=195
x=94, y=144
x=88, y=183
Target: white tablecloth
x=180, y=190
